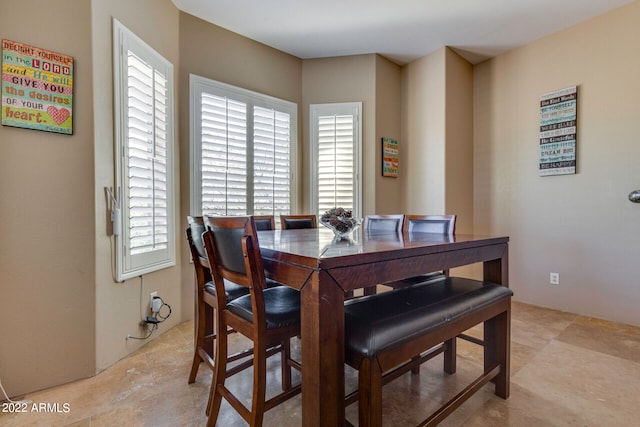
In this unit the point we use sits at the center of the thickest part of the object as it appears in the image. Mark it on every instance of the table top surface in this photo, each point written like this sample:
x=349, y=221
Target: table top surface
x=310, y=246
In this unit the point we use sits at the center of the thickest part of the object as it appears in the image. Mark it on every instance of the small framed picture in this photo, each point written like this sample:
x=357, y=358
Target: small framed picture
x=389, y=157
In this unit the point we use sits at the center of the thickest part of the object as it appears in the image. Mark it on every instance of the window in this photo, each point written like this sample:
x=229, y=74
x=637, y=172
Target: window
x=335, y=157
x=143, y=85
x=243, y=148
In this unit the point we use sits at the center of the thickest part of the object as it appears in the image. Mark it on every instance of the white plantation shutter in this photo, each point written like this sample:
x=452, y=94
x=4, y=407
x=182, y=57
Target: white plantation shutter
x=144, y=99
x=146, y=158
x=271, y=162
x=336, y=162
x=223, y=156
x=242, y=151
x=336, y=148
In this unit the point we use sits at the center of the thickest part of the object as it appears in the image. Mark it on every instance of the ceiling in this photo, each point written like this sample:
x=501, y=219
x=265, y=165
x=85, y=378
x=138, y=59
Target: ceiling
x=401, y=30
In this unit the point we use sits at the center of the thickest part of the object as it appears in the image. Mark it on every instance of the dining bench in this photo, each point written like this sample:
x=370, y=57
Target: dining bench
x=391, y=333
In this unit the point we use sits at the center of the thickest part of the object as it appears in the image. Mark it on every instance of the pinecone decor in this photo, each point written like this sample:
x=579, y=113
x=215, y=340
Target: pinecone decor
x=340, y=221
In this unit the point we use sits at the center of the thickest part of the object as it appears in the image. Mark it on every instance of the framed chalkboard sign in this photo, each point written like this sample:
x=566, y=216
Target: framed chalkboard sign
x=558, y=125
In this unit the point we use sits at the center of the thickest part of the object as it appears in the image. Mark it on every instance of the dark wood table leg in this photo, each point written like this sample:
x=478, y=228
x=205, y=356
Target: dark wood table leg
x=497, y=270
x=497, y=349
x=497, y=331
x=322, y=352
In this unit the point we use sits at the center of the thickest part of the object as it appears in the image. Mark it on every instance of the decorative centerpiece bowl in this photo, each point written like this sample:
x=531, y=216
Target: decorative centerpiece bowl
x=339, y=221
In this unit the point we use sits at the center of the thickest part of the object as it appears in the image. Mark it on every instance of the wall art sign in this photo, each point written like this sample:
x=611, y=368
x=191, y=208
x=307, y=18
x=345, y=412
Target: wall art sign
x=37, y=88
x=558, y=125
x=389, y=157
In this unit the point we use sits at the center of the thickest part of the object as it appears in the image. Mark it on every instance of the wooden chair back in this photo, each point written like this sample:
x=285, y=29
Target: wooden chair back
x=264, y=222
x=383, y=223
x=439, y=224
x=196, y=227
x=291, y=222
x=231, y=243
x=204, y=303
x=194, y=238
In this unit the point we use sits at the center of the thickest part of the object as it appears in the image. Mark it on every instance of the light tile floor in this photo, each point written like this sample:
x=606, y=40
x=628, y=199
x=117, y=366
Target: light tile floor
x=566, y=370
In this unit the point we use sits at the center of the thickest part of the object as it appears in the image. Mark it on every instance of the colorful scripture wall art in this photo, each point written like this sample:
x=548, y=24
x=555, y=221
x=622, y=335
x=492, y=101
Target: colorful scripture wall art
x=389, y=157
x=37, y=88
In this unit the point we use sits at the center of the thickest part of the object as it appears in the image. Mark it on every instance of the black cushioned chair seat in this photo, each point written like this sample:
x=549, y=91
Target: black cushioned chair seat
x=282, y=307
x=377, y=322
x=271, y=283
x=233, y=291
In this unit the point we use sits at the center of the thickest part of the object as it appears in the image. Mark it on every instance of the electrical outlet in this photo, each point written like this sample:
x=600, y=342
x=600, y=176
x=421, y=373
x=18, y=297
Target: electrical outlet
x=554, y=278
x=151, y=295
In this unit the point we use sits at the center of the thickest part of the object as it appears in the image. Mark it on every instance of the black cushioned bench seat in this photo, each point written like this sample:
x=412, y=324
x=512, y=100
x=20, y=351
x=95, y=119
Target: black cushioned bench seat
x=390, y=333
x=377, y=322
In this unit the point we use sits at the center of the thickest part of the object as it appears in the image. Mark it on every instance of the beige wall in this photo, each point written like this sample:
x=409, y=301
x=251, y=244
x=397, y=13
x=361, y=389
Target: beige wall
x=215, y=53
x=459, y=141
x=388, y=191
x=118, y=306
x=47, y=257
x=581, y=226
x=437, y=131
x=423, y=134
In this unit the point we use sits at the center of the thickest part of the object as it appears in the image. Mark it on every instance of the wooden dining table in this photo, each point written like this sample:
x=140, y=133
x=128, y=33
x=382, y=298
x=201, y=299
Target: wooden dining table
x=325, y=270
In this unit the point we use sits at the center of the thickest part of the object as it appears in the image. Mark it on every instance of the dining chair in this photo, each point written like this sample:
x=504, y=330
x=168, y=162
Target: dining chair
x=205, y=299
x=292, y=222
x=381, y=224
x=435, y=224
x=265, y=222
x=269, y=317
x=440, y=224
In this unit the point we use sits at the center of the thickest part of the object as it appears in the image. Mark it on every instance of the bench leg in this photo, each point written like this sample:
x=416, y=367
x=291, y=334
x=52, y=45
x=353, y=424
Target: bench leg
x=497, y=332
x=416, y=370
x=450, y=356
x=370, y=394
